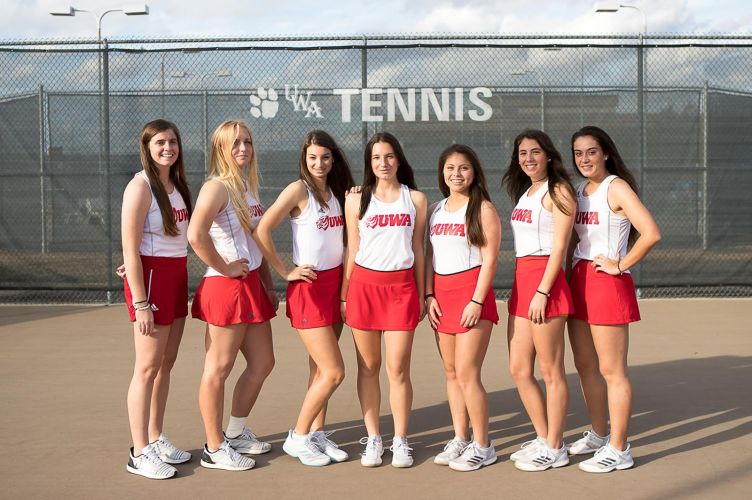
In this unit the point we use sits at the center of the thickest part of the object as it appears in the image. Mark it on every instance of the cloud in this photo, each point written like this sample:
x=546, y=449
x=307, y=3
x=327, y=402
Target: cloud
x=468, y=18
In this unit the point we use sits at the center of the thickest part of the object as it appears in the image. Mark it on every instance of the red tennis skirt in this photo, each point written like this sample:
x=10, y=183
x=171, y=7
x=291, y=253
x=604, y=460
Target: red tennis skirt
x=382, y=300
x=453, y=292
x=166, y=286
x=603, y=299
x=315, y=304
x=527, y=277
x=224, y=301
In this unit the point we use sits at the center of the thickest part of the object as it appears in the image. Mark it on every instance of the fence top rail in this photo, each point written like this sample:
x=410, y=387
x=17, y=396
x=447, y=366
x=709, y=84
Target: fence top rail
x=364, y=39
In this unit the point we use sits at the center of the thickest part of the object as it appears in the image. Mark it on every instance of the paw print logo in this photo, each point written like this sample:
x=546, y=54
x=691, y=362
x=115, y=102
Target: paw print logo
x=264, y=104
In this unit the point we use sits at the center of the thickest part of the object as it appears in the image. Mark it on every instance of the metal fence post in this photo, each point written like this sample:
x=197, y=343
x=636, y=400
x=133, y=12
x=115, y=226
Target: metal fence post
x=42, y=179
x=106, y=158
x=364, y=84
x=704, y=192
x=205, y=130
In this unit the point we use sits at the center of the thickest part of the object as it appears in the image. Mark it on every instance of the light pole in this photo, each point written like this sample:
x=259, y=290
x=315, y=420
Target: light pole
x=542, y=93
x=104, y=113
x=222, y=73
x=611, y=7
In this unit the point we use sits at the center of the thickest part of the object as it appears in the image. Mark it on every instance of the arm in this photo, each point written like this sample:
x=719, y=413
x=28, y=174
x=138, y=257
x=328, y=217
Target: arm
x=563, y=224
x=136, y=201
x=293, y=198
x=352, y=206
x=491, y=224
x=419, y=231
x=265, y=276
x=211, y=201
x=432, y=305
x=626, y=203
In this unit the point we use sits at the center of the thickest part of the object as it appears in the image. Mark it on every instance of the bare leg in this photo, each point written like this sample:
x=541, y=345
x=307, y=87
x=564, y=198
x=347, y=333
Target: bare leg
x=612, y=344
x=318, y=422
x=368, y=347
x=258, y=350
x=522, y=370
x=549, y=344
x=399, y=346
x=323, y=349
x=162, y=382
x=593, y=384
x=460, y=419
x=470, y=351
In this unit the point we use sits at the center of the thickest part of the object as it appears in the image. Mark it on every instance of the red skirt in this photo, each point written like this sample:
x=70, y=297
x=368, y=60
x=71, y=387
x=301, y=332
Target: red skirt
x=603, y=299
x=382, y=300
x=453, y=292
x=166, y=286
x=223, y=301
x=527, y=277
x=315, y=304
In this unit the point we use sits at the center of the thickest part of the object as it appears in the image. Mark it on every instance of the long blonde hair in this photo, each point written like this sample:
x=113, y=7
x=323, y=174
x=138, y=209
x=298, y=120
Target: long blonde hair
x=222, y=167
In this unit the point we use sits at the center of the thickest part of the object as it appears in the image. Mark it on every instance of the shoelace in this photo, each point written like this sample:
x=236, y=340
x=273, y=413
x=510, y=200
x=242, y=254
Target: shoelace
x=456, y=442
x=323, y=439
x=234, y=455
x=248, y=434
x=151, y=456
x=370, y=445
x=527, y=444
x=166, y=442
x=401, y=446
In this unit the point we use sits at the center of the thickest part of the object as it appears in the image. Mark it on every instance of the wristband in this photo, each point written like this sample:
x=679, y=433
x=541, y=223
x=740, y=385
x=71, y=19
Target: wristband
x=144, y=307
x=476, y=302
x=543, y=293
x=425, y=297
x=342, y=300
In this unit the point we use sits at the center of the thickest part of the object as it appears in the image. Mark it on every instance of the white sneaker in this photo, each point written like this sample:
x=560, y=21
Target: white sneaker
x=226, y=458
x=590, y=442
x=148, y=464
x=473, y=457
x=452, y=450
x=402, y=455
x=168, y=452
x=371, y=456
x=607, y=459
x=328, y=447
x=304, y=449
x=527, y=448
x=543, y=458
x=247, y=442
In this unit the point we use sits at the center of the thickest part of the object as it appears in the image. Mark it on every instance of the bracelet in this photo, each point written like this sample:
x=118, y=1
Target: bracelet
x=144, y=307
x=543, y=293
x=342, y=300
x=136, y=302
x=476, y=302
x=618, y=268
x=425, y=297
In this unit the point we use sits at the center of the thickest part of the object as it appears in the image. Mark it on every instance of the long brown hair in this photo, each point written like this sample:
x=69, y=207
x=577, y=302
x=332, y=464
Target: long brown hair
x=405, y=173
x=614, y=163
x=339, y=179
x=517, y=181
x=176, y=175
x=478, y=191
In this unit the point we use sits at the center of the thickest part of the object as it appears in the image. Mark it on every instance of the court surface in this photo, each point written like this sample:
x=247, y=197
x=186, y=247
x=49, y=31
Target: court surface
x=64, y=373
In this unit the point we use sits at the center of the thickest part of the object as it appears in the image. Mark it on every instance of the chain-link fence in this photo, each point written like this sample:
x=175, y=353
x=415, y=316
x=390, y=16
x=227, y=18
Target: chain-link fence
x=679, y=109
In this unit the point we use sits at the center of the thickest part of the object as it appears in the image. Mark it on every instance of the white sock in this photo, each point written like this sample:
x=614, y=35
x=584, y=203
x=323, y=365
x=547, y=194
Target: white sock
x=299, y=437
x=235, y=426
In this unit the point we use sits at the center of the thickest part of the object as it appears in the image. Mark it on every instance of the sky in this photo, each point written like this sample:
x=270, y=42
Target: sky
x=30, y=19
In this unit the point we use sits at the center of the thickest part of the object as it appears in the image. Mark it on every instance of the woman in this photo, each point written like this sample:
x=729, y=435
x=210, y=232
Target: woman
x=314, y=204
x=541, y=301
x=235, y=297
x=381, y=288
x=463, y=246
x=608, y=210
x=156, y=209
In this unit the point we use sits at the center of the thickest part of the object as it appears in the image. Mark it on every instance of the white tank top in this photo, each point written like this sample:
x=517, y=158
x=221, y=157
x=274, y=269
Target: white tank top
x=601, y=231
x=231, y=240
x=452, y=252
x=317, y=234
x=532, y=225
x=386, y=234
x=154, y=241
